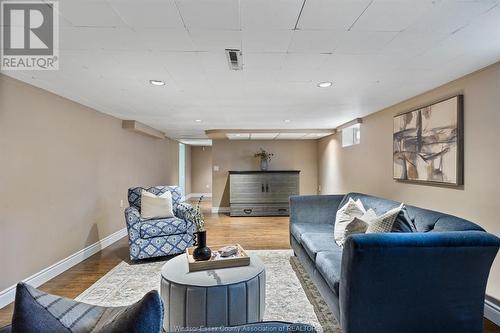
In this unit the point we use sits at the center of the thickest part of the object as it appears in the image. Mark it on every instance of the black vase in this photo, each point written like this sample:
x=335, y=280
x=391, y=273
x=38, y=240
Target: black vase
x=201, y=252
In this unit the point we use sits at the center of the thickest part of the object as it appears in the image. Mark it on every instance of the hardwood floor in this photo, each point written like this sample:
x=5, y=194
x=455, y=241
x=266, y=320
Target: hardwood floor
x=251, y=232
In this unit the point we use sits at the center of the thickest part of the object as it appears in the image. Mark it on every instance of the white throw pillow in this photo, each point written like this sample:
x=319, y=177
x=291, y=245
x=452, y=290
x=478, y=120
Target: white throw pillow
x=359, y=225
x=345, y=215
x=154, y=206
x=384, y=222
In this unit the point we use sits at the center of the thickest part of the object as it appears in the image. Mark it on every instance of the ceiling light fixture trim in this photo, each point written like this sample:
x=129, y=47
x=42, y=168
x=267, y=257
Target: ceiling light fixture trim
x=325, y=84
x=157, y=82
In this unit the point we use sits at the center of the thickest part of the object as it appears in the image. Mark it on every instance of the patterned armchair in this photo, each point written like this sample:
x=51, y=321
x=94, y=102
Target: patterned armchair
x=158, y=237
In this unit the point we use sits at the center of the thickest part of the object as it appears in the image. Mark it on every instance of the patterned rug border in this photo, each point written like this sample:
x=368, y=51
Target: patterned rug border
x=325, y=316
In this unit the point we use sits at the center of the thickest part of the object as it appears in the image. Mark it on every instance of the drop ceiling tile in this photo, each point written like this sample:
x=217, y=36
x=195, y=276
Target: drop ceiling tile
x=363, y=42
x=214, y=60
x=314, y=41
x=183, y=66
x=266, y=41
x=278, y=14
x=161, y=39
x=412, y=43
x=113, y=66
x=304, y=61
x=215, y=40
x=331, y=14
x=267, y=75
x=92, y=38
x=449, y=16
x=402, y=14
x=261, y=61
x=91, y=13
x=148, y=13
x=210, y=14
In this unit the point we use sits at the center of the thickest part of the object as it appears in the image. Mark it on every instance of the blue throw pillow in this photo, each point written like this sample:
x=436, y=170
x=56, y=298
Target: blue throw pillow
x=38, y=312
x=403, y=222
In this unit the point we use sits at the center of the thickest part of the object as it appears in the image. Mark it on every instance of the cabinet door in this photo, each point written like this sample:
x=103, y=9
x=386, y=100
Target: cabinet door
x=247, y=188
x=280, y=186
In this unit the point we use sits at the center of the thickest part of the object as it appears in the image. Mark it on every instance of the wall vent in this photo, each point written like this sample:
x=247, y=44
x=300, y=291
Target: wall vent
x=234, y=59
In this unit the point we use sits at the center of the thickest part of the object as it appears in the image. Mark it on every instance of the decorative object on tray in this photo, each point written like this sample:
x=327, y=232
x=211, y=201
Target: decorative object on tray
x=428, y=143
x=265, y=158
x=217, y=260
x=202, y=251
x=228, y=251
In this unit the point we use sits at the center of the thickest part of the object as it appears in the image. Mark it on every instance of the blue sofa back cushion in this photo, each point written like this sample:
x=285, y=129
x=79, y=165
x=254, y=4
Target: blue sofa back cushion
x=424, y=220
x=134, y=195
x=38, y=312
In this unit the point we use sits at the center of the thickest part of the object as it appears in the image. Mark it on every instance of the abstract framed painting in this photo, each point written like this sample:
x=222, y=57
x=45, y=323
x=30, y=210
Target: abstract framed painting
x=428, y=144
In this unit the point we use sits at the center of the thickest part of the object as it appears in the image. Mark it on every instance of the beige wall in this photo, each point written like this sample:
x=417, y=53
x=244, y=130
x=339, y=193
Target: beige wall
x=201, y=169
x=367, y=167
x=188, y=170
x=239, y=155
x=63, y=170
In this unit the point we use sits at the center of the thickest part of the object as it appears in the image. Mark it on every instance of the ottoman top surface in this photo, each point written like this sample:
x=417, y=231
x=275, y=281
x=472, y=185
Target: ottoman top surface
x=176, y=271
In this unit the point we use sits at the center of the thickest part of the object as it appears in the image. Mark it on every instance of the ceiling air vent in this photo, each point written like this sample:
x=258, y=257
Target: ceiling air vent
x=234, y=58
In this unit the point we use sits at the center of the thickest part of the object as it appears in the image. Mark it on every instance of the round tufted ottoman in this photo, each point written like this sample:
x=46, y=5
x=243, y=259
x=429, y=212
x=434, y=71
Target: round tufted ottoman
x=220, y=297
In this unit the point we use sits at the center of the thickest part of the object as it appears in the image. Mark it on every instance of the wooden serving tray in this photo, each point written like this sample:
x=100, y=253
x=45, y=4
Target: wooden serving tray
x=241, y=260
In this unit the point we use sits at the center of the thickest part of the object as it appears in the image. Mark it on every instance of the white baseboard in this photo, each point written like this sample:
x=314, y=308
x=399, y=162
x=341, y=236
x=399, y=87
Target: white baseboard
x=7, y=295
x=216, y=210
x=492, y=311
x=198, y=195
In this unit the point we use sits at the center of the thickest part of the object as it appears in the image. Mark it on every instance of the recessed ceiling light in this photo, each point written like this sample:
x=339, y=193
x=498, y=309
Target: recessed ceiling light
x=287, y=120
x=238, y=134
x=157, y=82
x=198, y=120
x=325, y=84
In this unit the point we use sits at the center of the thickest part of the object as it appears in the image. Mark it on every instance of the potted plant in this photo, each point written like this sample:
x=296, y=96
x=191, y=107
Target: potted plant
x=265, y=158
x=202, y=251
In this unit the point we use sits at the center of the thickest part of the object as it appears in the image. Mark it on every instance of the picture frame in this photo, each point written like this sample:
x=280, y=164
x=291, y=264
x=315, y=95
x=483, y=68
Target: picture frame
x=428, y=144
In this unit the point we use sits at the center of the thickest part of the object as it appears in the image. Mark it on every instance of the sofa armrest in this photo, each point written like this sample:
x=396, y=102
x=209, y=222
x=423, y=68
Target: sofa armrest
x=415, y=282
x=314, y=208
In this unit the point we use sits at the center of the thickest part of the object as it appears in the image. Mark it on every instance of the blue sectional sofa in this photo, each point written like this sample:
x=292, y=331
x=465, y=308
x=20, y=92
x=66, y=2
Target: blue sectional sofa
x=432, y=280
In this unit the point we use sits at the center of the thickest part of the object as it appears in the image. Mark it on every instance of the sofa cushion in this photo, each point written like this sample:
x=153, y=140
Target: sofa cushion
x=297, y=229
x=329, y=264
x=134, y=195
x=37, y=311
x=314, y=243
x=424, y=220
x=404, y=222
x=384, y=222
x=163, y=227
x=345, y=215
x=156, y=206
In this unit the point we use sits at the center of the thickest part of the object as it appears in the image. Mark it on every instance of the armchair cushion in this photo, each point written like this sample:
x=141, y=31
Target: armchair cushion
x=36, y=311
x=162, y=227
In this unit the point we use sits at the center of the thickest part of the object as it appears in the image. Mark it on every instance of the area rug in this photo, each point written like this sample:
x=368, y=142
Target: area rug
x=290, y=293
